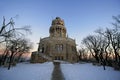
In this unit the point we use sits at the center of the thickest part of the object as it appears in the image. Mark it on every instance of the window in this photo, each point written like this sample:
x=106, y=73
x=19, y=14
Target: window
x=42, y=48
x=58, y=57
x=59, y=47
x=73, y=48
x=61, y=57
x=55, y=57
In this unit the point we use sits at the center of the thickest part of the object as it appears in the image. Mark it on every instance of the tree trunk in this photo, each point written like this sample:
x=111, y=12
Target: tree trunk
x=116, y=55
x=11, y=60
x=5, y=57
x=97, y=58
x=96, y=55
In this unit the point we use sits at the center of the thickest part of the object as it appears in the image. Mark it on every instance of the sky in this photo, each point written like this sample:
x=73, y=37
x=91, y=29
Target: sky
x=81, y=17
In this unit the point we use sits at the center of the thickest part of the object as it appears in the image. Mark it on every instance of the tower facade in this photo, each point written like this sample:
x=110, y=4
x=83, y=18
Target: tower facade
x=57, y=46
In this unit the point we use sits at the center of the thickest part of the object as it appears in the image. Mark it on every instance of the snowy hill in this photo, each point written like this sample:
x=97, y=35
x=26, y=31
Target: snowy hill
x=27, y=71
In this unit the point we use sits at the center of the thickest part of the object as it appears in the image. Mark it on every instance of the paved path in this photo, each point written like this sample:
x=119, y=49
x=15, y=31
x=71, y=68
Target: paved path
x=57, y=73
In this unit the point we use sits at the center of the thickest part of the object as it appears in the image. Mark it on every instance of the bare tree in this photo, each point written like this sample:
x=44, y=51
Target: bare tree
x=92, y=42
x=81, y=53
x=17, y=48
x=11, y=37
x=112, y=37
x=8, y=31
x=23, y=47
x=115, y=38
x=105, y=43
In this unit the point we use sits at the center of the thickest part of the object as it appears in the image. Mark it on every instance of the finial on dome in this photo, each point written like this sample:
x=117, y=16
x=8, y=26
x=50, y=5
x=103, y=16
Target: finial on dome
x=58, y=18
x=58, y=21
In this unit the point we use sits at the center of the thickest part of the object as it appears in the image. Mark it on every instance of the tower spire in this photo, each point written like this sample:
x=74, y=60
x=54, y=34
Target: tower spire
x=57, y=28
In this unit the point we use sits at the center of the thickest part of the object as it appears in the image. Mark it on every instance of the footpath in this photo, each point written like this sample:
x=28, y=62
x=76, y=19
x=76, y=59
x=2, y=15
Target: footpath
x=57, y=73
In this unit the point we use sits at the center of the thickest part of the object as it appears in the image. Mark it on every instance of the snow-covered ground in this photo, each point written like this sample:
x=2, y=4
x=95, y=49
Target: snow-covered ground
x=27, y=71
x=88, y=72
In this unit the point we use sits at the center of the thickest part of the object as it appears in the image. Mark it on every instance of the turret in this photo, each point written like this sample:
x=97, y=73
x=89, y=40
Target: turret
x=57, y=28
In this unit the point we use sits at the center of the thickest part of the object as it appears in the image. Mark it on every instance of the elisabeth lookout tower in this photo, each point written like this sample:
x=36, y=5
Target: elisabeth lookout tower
x=57, y=46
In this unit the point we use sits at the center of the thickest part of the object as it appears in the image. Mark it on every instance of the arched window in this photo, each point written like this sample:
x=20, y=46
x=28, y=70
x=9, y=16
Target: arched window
x=42, y=49
x=59, y=47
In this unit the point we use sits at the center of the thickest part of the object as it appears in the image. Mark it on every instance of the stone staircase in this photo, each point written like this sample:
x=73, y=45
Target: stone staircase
x=38, y=57
x=47, y=57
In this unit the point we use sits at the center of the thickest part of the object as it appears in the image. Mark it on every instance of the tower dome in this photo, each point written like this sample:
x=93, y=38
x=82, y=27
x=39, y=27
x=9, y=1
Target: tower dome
x=58, y=21
x=57, y=28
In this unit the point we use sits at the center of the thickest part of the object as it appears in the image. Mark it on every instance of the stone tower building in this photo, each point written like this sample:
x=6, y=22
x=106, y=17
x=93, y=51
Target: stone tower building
x=57, y=46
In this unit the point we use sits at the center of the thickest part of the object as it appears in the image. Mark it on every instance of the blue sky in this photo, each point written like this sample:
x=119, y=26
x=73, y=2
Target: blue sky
x=82, y=17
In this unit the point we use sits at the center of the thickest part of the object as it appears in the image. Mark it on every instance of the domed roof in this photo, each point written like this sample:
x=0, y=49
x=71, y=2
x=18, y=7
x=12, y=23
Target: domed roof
x=57, y=28
x=58, y=21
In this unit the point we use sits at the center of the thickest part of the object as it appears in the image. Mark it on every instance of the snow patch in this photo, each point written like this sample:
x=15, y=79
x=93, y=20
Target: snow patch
x=28, y=71
x=88, y=72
